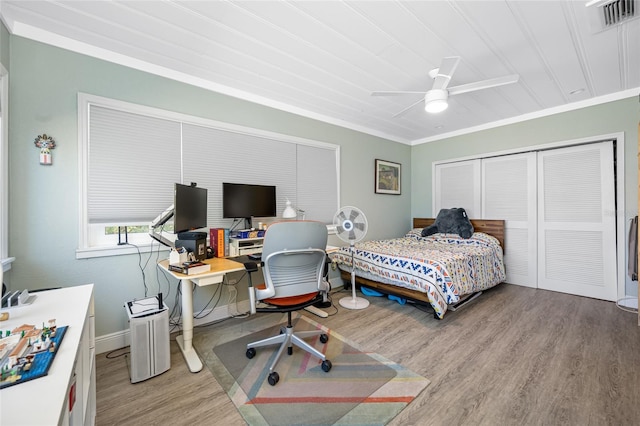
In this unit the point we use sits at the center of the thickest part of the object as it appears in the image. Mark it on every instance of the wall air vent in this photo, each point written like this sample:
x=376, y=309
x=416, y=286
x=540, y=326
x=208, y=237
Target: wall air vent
x=609, y=13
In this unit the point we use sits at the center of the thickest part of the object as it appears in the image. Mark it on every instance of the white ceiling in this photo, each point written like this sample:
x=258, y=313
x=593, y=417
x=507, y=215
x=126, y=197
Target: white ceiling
x=322, y=59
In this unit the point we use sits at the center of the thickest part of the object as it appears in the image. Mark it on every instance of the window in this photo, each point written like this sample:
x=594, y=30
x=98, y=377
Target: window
x=4, y=170
x=132, y=155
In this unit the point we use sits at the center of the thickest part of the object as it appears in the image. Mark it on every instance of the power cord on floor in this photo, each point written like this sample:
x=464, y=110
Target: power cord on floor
x=110, y=355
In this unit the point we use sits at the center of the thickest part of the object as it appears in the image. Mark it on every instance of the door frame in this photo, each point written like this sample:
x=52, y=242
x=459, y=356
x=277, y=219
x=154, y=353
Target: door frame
x=622, y=221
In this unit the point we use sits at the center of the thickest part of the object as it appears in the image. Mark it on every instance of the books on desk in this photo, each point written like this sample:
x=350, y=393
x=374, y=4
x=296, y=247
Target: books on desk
x=190, y=268
x=219, y=241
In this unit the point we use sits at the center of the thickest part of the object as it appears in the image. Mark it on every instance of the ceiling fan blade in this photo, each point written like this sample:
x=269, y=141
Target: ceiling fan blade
x=484, y=84
x=445, y=72
x=398, y=114
x=396, y=93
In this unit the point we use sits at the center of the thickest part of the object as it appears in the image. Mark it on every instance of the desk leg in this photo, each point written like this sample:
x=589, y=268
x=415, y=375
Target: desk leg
x=185, y=340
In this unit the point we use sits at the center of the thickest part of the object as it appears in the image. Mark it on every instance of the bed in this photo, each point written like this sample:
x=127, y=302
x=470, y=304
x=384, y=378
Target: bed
x=441, y=270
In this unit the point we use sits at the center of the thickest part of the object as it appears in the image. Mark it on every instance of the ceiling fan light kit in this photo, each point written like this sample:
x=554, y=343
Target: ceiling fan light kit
x=435, y=101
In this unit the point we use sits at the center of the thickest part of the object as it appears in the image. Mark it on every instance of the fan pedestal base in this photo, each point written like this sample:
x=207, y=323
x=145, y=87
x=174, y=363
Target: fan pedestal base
x=353, y=302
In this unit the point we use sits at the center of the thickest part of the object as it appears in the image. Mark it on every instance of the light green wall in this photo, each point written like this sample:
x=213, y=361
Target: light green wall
x=608, y=118
x=43, y=200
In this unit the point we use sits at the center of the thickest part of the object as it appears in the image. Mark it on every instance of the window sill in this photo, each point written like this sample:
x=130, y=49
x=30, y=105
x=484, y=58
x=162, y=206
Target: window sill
x=89, y=253
x=106, y=251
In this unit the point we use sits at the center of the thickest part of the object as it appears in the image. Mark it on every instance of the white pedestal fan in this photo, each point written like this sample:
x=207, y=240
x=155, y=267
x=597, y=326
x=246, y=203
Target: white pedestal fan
x=351, y=227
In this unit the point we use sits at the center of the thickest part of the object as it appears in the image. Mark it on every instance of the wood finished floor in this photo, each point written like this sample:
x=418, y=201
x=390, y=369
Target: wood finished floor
x=516, y=356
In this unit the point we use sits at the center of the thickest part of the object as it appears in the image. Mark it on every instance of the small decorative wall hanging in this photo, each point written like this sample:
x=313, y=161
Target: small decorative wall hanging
x=46, y=144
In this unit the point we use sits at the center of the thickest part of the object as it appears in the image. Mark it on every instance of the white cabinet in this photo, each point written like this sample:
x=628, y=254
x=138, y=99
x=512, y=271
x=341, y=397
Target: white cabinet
x=244, y=246
x=50, y=399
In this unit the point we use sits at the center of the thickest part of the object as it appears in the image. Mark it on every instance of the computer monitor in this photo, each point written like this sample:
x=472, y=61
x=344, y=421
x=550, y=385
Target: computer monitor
x=243, y=201
x=190, y=208
x=189, y=211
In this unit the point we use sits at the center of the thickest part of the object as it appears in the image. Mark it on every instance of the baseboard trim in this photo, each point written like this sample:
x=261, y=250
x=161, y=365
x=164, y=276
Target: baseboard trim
x=121, y=339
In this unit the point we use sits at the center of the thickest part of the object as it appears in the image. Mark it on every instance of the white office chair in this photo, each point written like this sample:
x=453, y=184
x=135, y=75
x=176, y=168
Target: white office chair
x=293, y=259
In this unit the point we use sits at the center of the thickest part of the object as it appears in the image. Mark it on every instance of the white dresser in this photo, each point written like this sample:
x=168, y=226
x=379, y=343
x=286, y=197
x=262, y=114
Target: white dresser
x=45, y=401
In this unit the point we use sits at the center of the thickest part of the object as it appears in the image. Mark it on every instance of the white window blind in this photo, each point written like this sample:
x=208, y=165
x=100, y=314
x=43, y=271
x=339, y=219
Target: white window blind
x=134, y=160
x=317, y=183
x=132, y=155
x=213, y=156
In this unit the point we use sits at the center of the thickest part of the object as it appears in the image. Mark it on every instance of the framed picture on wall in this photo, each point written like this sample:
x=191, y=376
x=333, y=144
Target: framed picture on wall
x=387, y=177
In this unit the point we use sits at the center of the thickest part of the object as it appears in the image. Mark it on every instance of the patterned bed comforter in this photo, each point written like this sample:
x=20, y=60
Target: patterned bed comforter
x=445, y=266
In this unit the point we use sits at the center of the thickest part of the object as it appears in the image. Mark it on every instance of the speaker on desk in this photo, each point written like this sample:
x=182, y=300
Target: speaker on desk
x=196, y=246
x=150, y=352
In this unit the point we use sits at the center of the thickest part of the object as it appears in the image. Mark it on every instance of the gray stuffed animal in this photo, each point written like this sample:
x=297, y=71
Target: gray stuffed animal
x=451, y=221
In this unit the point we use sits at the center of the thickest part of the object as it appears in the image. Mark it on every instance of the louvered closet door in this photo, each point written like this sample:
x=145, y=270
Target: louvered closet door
x=509, y=193
x=576, y=221
x=458, y=185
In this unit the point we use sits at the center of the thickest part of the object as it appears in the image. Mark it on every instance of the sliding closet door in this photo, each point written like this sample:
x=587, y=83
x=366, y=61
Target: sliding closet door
x=576, y=221
x=458, y=185
x=509, y=193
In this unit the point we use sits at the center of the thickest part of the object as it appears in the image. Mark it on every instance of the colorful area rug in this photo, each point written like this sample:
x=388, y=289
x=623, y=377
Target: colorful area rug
x=361, y=388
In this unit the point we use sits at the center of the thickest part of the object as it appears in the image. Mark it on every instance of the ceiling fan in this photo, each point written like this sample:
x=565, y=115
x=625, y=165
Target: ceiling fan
x=436, y=99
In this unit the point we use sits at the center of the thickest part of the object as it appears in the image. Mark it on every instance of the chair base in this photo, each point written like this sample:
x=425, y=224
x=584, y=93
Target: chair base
x=287, y=339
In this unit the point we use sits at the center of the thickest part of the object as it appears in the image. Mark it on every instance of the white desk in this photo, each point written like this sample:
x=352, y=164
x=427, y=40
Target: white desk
x=219, y=267
x=44, y=401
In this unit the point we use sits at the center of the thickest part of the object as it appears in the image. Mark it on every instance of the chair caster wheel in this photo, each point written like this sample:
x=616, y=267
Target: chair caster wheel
x=326, y=365
x=324, y=338
x=290, y=350
x=273, y=378
x=251, y=352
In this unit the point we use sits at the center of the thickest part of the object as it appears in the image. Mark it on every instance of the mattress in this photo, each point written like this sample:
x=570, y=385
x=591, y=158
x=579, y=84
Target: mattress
x=444, y=266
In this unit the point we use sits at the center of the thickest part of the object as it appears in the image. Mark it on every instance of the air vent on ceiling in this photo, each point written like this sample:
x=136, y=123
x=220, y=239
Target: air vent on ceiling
x=609, y=13
x=618, y=11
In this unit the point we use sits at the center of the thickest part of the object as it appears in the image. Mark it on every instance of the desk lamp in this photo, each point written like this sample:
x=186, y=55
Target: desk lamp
x=291, y=212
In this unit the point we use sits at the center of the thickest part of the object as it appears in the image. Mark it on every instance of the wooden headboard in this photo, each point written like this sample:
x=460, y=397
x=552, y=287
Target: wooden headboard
x=488, y=226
